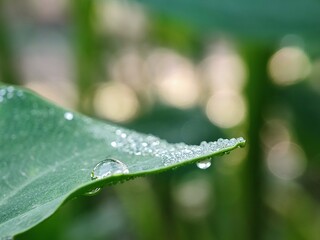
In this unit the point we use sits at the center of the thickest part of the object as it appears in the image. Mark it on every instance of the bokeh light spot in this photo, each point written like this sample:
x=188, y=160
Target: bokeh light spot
x=286, y=160
x=174, y=78
x=226, y=109
x=116, y=101
x=192, y=197
x=224, y=69
x=289, y=65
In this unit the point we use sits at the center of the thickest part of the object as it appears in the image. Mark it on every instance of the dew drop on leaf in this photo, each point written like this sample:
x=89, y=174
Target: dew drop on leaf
x=108, y=167
x=93, y=192
x=68, y=116
x=204, y=164
x=7, y=238
x=171, y=154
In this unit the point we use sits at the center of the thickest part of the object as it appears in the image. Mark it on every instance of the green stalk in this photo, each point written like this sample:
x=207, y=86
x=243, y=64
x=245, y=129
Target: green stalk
x=227, y=209
x=8, y=73
x=140, y=203
x=258, y=92
x=85, y=52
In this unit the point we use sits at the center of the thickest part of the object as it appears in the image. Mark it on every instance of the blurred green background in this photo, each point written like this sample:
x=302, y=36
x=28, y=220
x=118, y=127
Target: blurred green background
x=185, y=71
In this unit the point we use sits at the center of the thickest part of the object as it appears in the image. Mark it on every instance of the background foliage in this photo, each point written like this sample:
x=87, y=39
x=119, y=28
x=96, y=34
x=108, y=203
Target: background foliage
x=185, y=71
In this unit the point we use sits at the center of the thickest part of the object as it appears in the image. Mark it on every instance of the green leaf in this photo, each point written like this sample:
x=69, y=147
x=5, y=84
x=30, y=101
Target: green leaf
x=249, y=19
x=48, y=153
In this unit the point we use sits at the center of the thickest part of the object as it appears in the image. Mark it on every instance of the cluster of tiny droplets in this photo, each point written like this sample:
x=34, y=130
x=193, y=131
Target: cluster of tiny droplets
x=8, y=93
x=148, y=145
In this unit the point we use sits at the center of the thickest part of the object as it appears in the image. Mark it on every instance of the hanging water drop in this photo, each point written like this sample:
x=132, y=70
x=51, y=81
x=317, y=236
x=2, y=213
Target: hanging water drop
x=108, y=167
x=204, y=164
x=68, y=116
x=93, y=192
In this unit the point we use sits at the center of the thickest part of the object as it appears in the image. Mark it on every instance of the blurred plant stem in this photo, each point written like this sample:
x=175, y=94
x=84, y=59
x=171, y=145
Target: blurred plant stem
x=86, y=52
x=163, y=189
x=227, y=211
x=140, y=203
x=8, y=73
x=258, y=92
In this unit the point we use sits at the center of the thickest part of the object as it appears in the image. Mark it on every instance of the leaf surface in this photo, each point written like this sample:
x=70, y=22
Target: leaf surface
x=47, y=155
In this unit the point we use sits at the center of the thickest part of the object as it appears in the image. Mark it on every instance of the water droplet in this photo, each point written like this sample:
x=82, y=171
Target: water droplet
x=7, y=238
x=36, y=205
x=20, y=93
x=204, y=164
x=2, y=92
x=108, y=167
x=68, y=116
x=118, y=132
x=123, y=135
x=93, y=192
x=10, y=89
x=147, y=145
x=10, y=95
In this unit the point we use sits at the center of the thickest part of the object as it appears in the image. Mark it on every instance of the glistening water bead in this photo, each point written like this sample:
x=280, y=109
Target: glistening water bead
x=170, y=154
x=204, y=164
x=68, y=116
x=93, y=192
x=8, y=93
x=106, y=168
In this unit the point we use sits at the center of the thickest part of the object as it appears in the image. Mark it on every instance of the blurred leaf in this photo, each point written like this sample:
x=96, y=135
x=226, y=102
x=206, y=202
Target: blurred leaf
x=190, y=126
x=302, y=100
x=48, y=153
x=263, y=20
